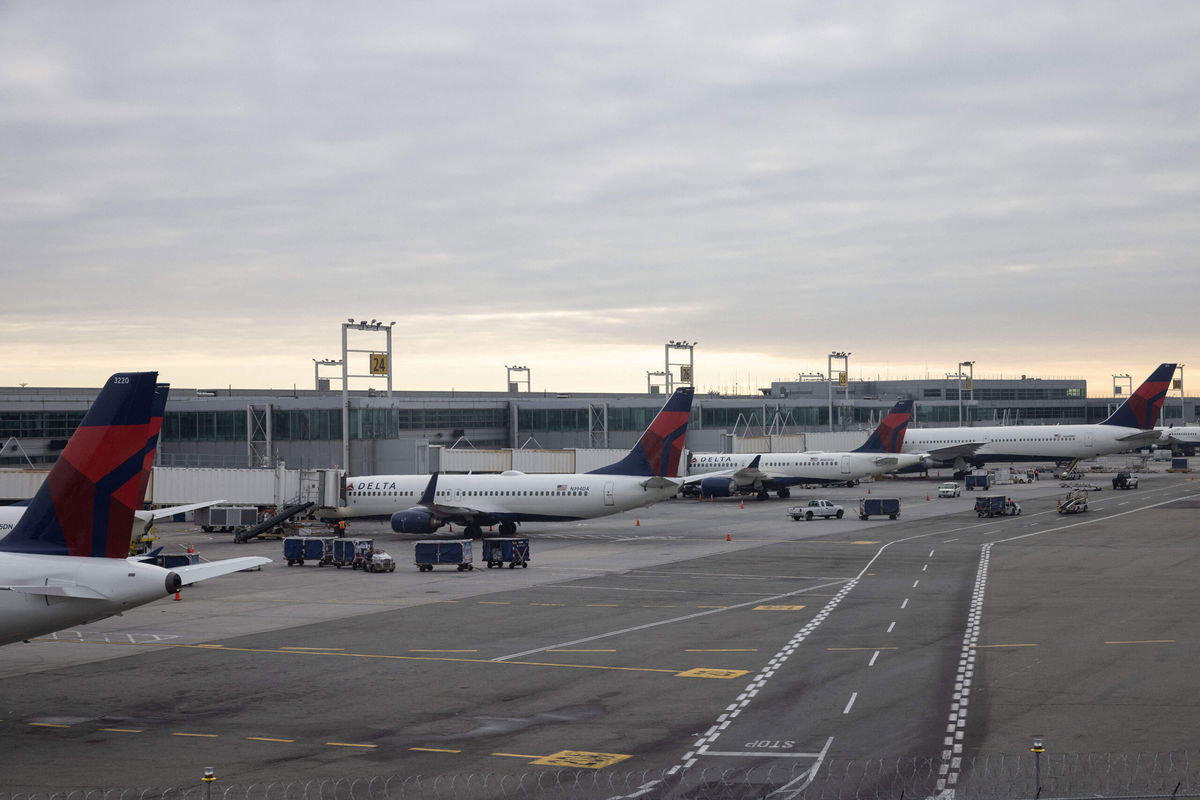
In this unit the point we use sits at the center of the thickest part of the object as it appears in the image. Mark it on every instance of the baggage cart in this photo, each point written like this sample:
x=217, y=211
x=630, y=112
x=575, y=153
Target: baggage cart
x=878, y=506
x=298, y=549
x=428, y=552
x=982, y=481
x=353, y=553
x=500, y=551
x=996, y=505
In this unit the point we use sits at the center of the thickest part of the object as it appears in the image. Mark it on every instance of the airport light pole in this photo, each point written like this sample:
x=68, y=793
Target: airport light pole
x=1122, y=382
x=970, y=365
x=1182, y=404
x=317, y=364
x=843, y=378
x=1037, y=751
x=685, y=367
x=380, y=365
x=515, y=386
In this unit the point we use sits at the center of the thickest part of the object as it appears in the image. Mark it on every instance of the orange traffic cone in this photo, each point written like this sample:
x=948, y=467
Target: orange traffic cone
x=926, y=498
x=868, y=491
x=742, y=504
x=729, y=537
x=177, y=597
x=637, y=523
x=712, y=499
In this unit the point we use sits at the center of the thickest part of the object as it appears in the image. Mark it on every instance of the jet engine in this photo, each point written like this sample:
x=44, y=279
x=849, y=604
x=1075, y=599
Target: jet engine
x=415, y=520
x=718, y=487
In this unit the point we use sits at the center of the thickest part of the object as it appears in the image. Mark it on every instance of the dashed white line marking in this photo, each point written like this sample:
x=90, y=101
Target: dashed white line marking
x=915, y=583
x=930, y=554
x=871, y=663
x=924, y=568
x=905, y=603
x=890, y=627
x=948, y=541
x=850, y=705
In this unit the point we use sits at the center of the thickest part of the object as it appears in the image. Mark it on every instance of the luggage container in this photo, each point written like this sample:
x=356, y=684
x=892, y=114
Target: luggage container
x=500, y=551
x=1179, y=465
x=225, y=518
x=428, y=552
x=878, y=506
x=996, y=505
x=982, y=481
x=353, y=553
x=298, y=549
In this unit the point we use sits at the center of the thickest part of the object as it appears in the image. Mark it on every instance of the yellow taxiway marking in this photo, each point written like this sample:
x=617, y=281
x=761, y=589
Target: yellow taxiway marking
x=350, y=744
x=389, y=657
x=317, y=649
x=981, y=646
x=862, y=648
x=557, y=605
x=48, y=725
x=443, y=651
x=213, y=646
x=581, y=759
x=650, y=606
x=197, y=735
x=726, y=650
x=433, y=750
x=267, y=739
x=1146, y=641
x=701, y=672
x=122, y=730
x=602, y=605
x=778, y=608
x=494, y=603
x=515, y=755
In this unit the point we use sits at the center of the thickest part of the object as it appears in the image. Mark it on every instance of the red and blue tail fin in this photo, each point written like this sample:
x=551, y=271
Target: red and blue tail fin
x=657, y=453
x=85, y=506
x=1141, y=409
x=157, y=412
x=889, y=435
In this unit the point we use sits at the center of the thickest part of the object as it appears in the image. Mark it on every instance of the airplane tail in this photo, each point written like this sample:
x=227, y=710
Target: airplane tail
x=1141, y=409
x=657, y=453
x=157, y=411
x=889, y=435
x=85, y=506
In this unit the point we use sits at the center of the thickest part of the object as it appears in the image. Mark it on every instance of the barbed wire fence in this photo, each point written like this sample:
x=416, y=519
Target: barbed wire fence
x=1119, y=776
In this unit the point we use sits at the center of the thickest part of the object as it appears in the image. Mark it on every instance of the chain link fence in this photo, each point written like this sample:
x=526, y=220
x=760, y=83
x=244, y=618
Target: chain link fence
x=990, y=777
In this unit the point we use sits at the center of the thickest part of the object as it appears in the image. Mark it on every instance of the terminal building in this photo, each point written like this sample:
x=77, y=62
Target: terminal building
x=240, y=428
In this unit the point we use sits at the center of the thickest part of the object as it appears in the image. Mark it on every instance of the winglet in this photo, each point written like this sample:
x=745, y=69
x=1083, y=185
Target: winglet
x=85, y=506
x=1141, y=409
x=888, y=437
x=430, y=491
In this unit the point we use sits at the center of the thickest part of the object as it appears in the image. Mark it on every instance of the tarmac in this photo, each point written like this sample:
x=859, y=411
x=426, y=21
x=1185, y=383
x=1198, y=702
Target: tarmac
x=685, y=637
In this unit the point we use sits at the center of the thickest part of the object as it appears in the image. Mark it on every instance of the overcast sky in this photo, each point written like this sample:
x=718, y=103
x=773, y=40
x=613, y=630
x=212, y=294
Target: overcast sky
x=210, y=189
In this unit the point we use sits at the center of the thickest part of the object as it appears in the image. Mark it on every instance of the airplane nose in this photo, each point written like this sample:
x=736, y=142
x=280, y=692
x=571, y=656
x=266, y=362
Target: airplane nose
x=174, y=582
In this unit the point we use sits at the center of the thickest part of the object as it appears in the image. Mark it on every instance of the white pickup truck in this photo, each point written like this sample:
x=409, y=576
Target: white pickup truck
x=816, y=508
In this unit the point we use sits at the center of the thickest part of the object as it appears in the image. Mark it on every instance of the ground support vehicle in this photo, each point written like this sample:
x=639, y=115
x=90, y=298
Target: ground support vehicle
x=353, y=553
x=816, y=508
x=996, y=505
x=1075, y=502
x=379, y=561
x=1124, y=480
x=949, y=489
x=500, y=551
x=974, y=482
x=298, y=549
x=428, y=552
x=878, y=506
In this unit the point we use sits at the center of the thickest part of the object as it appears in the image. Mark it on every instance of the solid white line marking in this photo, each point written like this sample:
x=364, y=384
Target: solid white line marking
x=791, y=790
x=853, y=697
x=872, y=661
x=684, y=618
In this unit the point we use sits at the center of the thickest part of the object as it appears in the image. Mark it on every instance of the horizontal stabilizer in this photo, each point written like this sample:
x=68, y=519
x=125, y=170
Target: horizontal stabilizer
x=170, y=511
x=73, y=590
x=193, y=573
x=1141, y=437
x=885, y=461
x=660, y=483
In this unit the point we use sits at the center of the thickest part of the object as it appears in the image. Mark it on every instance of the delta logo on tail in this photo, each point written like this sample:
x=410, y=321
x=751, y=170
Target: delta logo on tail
x=1143, y=406
x=657, y=453
x=889, y=435
x=96, y=484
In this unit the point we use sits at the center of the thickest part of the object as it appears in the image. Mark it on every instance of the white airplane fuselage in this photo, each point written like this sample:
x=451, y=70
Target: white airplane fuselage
x=516, y=497
x=814, y=467
x=1028, y=442
x=55, y=592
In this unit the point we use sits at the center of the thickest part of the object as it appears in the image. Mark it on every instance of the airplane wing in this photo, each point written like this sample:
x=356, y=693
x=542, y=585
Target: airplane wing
x=965, y=450
x=742, y=475
x=170, y=511
x=1141, y=437
x=193, y=573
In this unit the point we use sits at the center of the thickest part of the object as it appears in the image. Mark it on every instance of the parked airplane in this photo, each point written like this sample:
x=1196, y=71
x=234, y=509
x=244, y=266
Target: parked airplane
x=66, y=560
x=143, y=519
x=1129, y=427
x=1180, y=438
x=720, y=475
x=424, y=503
